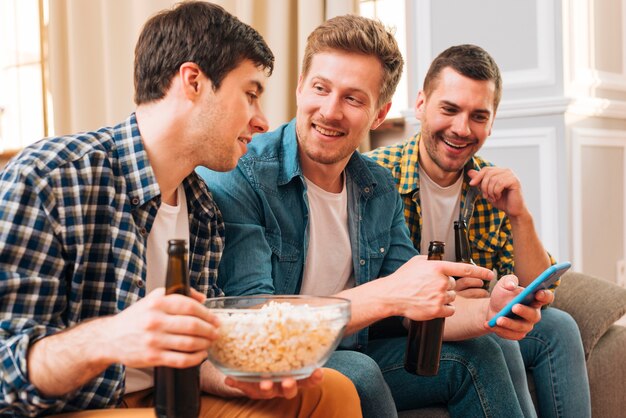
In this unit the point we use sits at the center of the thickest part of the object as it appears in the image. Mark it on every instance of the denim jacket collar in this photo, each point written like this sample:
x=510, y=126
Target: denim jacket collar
x=289, y=160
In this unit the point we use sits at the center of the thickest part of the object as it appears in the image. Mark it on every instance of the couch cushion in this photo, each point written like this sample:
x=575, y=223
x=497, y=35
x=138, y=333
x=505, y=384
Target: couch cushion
x=594, y=303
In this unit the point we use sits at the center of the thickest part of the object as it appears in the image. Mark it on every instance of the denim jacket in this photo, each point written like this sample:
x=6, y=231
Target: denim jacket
x=265, y=208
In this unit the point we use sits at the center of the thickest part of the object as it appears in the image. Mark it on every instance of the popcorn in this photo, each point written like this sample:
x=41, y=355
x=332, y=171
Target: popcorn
x=278, y=337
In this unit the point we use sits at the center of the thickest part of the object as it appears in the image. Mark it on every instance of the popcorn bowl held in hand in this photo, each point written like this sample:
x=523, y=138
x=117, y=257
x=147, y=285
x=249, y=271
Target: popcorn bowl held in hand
x=273, y=337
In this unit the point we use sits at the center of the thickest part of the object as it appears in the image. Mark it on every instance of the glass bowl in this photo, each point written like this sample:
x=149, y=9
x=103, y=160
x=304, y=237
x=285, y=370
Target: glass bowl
x=273, y=337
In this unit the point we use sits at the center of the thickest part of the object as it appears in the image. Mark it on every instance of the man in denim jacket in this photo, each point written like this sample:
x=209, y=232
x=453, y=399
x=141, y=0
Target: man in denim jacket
x=84, y=318
x=308, y=214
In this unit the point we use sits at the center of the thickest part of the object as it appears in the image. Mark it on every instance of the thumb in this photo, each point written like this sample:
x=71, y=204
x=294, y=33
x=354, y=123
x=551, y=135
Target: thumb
x=509, y=282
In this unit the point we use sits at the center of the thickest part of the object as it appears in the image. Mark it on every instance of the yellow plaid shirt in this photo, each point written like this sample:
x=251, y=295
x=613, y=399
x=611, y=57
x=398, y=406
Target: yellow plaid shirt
x=489, y=228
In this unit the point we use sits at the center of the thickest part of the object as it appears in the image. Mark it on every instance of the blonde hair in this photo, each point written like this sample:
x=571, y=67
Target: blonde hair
x=360, y=35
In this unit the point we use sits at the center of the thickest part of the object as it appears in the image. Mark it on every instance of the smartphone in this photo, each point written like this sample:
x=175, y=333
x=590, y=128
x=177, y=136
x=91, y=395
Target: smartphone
x=527, y=296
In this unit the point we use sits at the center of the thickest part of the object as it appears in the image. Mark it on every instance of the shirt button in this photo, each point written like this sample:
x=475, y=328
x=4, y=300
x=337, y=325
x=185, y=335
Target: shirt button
x=134, y=201
x=143, y=231
x=366, y=190
x=140, y=283
x=382, y=249
x=362, y=262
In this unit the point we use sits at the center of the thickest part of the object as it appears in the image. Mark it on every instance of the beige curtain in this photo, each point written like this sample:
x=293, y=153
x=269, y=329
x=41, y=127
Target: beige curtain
x=91, y=47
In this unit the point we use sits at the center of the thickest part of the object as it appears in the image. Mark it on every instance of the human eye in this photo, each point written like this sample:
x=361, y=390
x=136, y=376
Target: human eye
x=252, y=96
x=481, y=118
x=448, y=110
x=319, y=88
x=353, y=100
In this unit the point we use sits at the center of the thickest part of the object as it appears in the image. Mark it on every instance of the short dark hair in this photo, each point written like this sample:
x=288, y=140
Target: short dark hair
x=360, y=35
x=199, y=32
x=469, y=60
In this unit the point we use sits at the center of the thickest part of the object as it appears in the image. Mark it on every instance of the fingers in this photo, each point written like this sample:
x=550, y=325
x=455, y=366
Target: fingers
x=473, y=293
x=510, y=282
x=179, y=342
x=493, y=181
x=450, y=268
x=266, y=389
x=516, y=329
x=182, y=305
x=200, y=297
x=289, y=388
x=543, y=297
x=162, y=330
x=465, y=283
x=176, y=359
x=315, y=379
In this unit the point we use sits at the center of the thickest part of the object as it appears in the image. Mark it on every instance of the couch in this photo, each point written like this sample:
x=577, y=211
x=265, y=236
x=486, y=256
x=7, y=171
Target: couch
x=595, y=304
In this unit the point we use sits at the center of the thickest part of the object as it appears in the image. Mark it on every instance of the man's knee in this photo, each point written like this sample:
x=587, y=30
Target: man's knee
x=361, y=369
x=337, y=383
x=339, y=396
x=557, y=328
x=475, y=354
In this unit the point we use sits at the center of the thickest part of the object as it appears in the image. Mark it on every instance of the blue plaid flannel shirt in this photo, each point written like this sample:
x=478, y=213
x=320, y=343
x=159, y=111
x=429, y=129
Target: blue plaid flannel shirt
x=75, y=213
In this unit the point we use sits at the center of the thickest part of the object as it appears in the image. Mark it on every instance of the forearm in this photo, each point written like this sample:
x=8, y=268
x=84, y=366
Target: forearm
x=468, y=320
x=529, y=255
x=368, y=305
x=62, y=363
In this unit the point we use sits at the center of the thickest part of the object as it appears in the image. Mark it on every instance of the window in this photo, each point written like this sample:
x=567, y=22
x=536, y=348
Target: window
x=391, y=13
x=24, y=116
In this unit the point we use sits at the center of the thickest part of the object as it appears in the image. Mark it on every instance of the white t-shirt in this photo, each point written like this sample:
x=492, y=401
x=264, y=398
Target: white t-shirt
x=440, y=208
x=171, y=222
x=328, y=266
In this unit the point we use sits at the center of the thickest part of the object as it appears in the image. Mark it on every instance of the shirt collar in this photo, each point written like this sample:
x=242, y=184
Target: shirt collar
x=133, y=161
x=289, y=161
x=409, y=162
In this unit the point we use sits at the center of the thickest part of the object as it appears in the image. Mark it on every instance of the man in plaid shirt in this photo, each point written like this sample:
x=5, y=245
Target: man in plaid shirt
x=84, y=220
x=441, y=180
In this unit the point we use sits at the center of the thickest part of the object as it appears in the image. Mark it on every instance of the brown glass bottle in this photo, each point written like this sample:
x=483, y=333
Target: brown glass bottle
x=423, y=345
x=177, y=391
x=462, y=250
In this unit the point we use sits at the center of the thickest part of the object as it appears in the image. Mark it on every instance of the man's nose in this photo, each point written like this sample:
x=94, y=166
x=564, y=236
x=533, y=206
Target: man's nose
x=259, y=122
x=331, y=108
x=461, y=125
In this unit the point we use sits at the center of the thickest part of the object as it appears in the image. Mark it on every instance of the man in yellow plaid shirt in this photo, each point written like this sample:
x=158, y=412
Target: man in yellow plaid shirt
x=441, y=179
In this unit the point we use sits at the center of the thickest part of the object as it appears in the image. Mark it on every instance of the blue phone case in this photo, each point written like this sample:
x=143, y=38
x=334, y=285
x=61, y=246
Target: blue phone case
x=543, y=281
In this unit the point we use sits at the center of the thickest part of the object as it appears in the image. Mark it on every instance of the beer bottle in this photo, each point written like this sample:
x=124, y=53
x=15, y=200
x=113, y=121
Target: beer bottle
x=177, y=391
x=463, y=252
x=423, y=348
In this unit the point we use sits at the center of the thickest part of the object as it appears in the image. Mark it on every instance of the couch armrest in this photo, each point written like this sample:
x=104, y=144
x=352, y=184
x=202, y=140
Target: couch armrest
x=594, y=303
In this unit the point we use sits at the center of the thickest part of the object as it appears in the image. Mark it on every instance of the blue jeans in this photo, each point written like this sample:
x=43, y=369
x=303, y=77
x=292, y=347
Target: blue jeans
x=473, y=379
x=553, y=352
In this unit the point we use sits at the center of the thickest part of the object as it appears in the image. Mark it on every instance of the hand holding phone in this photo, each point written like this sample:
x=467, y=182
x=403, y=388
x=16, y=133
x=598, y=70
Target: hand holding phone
x=527, y=296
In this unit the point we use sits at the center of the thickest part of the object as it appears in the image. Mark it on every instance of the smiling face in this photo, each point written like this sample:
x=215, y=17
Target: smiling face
x=456, y=119
x=337, y=106
x=227, y=118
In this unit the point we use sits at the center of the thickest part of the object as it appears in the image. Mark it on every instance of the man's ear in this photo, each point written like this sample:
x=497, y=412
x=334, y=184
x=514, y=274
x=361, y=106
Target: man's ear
x=493, y=118
x=300, y=84
x=420, y=103
x=191, y=79
x=381, y=115
x=299, y=87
